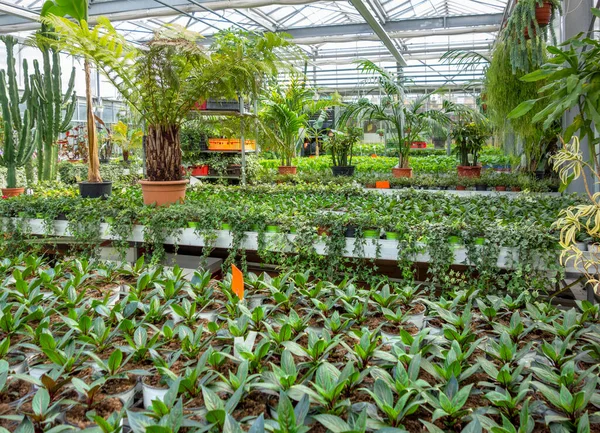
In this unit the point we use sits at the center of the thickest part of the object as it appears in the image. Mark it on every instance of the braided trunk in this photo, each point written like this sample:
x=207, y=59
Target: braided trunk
x=163, y=153
x=93, y=161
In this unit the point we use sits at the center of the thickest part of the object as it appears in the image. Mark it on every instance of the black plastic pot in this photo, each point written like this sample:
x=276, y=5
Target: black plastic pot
x=95, y=189
x=343, y=171
x=104, y=160
x=439, y=143
x=350, y=232
x=539, y=175
x=481, y=187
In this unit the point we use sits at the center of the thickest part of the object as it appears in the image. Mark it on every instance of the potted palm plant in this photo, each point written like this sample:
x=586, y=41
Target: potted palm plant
x=287, y=111
x=95, y=186
x=164, y=79
x=406, y=121
x=341, y=144
x=127, y=138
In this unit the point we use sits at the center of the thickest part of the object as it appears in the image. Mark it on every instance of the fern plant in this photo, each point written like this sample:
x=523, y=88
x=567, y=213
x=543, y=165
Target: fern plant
x=165, y=79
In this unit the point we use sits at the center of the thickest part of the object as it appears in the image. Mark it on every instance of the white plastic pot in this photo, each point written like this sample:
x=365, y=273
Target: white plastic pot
x=20, y=364
x=126, y=397
x=150, y=393
x=37, y=371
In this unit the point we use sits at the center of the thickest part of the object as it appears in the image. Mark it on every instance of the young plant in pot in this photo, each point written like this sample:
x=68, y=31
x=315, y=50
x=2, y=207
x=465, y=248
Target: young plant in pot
x=164, y=79
x=287, y=111
x=470, y=135
x=53, y=12
x=439, y=135
x=406, y=121
x=127, y=138
x=341, y=145
x=19, y=136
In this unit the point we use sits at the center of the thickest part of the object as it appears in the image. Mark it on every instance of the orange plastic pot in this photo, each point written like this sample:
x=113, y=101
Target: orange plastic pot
x=163, y=193
x=12, y=192
x=287, y=169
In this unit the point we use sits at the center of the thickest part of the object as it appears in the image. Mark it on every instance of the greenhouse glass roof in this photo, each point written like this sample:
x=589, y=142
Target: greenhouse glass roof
x=333, y=34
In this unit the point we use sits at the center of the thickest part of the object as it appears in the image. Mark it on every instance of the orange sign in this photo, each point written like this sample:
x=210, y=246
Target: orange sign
x=385, y=184
x=237, y=282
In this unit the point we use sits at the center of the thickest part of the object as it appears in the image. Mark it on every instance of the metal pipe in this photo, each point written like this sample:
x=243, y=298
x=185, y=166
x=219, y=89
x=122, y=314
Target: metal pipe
x=409, y=34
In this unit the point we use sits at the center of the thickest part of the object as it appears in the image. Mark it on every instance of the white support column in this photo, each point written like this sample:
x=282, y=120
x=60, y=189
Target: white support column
x=577, y=18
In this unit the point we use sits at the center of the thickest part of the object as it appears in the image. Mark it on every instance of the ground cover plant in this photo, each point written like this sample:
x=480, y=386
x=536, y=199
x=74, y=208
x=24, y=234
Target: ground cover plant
x=302, y=218
x=85, y=345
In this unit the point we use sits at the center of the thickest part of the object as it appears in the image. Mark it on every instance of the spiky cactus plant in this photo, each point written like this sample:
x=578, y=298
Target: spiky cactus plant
x=52, y=110
x=19, y=135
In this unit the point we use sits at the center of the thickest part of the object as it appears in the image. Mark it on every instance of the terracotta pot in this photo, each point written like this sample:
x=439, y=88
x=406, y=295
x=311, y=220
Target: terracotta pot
x=543, y=14
x=402, y=172
x=163, y=193
x=469, y=171
x=515, y=188
x=500, y=188
x=287, y=169
x=461, y=188
x=12, y=192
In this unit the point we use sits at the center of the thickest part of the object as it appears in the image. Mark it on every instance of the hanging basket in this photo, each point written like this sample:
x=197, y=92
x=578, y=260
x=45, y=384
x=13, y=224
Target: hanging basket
x=543, y=14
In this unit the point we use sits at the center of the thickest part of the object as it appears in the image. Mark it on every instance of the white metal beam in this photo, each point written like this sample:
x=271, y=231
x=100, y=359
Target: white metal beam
x=379, y=30
x=18, y=11
x=126, y=10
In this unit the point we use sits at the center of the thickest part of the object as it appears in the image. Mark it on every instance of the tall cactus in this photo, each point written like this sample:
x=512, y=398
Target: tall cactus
x=19, y=134
x=52, y=110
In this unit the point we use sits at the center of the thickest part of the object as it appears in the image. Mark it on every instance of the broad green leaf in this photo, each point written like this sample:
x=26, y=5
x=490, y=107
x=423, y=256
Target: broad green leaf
x=522, y=109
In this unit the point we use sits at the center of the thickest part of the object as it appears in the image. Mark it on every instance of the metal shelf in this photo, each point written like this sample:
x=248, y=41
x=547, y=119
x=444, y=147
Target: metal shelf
x=220, y=113
x=227, y=151
x=217, y=177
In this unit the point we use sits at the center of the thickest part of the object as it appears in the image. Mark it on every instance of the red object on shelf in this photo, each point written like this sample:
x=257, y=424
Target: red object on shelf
x=200, y=170
x=200, y=105
x=418, y=145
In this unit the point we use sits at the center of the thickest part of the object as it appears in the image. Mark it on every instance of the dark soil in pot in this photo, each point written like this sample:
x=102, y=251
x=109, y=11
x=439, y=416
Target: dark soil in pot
x=105, y=408
x=118, y=386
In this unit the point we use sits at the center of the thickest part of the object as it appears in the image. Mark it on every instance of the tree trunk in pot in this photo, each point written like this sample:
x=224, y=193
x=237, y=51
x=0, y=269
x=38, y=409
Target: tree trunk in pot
x=94, y=163
x=163, y=153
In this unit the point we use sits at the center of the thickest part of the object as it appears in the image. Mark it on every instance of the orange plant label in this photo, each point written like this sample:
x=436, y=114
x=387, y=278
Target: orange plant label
x=237, y=282
x=385, y=184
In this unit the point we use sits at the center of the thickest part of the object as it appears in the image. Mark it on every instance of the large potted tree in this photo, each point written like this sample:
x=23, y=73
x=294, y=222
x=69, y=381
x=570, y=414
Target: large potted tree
x=406, y=121
x=95, y=186
x=164, y=79
x=18, y=133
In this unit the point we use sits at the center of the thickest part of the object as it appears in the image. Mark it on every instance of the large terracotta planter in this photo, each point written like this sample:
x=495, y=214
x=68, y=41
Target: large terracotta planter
x=543, y=14
x=402, y=172
x=163, y=193
x=12, y=192
x=287, y=169
x=469, y=171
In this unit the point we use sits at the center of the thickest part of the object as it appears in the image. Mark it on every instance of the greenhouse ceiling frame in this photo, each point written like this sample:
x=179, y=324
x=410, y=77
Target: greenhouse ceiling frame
x=331, y=32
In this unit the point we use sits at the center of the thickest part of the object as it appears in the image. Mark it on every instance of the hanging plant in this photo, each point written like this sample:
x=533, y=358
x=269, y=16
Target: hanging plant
x=527, y=31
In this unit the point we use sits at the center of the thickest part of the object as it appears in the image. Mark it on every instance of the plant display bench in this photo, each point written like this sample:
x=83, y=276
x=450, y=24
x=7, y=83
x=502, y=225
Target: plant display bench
x=370, y=249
